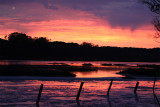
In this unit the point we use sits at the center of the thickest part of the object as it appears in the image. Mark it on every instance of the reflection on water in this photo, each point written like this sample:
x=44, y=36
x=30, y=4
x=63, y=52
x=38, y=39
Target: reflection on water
x=103, y=71
x=34, y=62
x=63, y=93
x=99, y=73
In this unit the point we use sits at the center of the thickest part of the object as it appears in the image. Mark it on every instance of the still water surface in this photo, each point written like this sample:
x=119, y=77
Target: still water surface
x=103, y=71
x=61, y=92
x=33, y=62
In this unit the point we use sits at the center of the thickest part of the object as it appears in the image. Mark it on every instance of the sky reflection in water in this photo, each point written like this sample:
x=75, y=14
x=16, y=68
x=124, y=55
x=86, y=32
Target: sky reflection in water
x=60, y=93
x=103, y=71
x=63, y=93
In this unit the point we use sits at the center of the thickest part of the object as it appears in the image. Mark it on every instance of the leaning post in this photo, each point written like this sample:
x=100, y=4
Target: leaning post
x=39, y=94
x=79, y=92
x=154, y=85
x=109, y=87
x=135, y=89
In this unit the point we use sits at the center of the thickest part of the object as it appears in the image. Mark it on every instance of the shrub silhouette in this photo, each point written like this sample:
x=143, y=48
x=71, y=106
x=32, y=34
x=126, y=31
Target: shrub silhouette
x=21, y=46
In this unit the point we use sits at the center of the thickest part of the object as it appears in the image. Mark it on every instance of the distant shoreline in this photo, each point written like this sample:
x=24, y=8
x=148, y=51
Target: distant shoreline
x=7, y=78
x=20, y=46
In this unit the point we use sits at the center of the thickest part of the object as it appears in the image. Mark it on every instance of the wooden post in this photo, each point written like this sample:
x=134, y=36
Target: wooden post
x=135, y=89
x=39, y=95
x=154, y=85
x=109, y=87
x=78, y=94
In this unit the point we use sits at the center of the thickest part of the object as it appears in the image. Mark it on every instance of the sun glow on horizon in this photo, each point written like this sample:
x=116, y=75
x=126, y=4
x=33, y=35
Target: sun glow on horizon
x=75, y=25
x=82, y=30
x=79, y=31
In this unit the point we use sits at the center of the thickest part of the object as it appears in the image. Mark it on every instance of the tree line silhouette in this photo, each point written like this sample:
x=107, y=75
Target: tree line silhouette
x=19, y=46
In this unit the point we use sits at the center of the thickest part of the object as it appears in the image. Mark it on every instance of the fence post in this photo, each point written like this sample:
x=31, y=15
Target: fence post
x=39, y=94
x=154, y=85
x=109, y=87
x=135, y=89
x=78, y=94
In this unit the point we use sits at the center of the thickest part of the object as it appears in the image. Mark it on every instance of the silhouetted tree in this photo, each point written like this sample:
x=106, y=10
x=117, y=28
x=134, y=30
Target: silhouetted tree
x=87, y=44
x=41, y=40
x=154, y=6
x=22, y=46
x=18, y=37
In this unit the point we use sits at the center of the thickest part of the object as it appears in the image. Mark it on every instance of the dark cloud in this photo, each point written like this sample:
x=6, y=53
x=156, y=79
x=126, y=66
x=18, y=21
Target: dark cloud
x=121, y=13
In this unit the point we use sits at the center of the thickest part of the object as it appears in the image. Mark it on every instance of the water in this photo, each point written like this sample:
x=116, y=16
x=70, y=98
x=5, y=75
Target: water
x=103, y=71
x=33, y=62
x=61, y=92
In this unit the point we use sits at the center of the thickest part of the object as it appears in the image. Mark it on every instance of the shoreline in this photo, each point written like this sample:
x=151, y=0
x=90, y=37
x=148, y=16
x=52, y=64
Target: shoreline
x=17, y=78
x=79, y=60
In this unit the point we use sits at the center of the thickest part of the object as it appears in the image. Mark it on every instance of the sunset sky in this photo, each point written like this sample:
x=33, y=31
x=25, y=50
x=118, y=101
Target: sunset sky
x=123, y=23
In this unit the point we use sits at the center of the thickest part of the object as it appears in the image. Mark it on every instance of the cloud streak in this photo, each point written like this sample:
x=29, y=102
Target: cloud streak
x=116, y=22
x=118, y=13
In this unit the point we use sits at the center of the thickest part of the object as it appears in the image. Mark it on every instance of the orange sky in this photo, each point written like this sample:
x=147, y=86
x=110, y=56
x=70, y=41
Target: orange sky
x=61, y=21
x=79, y=31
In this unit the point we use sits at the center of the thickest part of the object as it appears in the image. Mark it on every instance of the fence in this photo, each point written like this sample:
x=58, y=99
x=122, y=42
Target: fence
x=108, y=92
